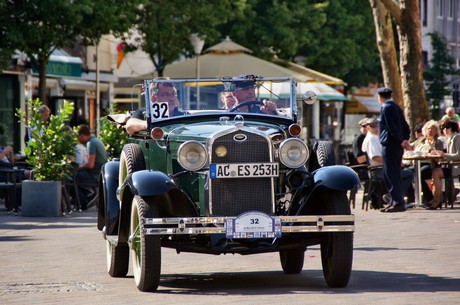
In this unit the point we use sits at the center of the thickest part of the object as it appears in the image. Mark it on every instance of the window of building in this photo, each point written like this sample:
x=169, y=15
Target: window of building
x=441, y=8
x=451, y=9
x=423, y=12
x=424, y=59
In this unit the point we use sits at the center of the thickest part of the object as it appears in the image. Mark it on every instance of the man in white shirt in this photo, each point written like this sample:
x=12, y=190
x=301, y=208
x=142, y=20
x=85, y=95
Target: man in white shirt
x=373, y=148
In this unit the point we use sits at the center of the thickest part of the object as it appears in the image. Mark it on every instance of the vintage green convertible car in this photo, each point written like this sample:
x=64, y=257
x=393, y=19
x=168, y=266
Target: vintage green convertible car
x=211, y=179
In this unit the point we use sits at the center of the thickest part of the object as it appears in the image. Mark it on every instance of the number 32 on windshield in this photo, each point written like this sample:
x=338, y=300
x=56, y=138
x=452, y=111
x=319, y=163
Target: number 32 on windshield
x=159, y=111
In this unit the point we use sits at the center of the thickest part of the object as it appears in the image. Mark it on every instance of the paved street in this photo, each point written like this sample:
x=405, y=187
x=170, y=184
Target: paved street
x=399, y=258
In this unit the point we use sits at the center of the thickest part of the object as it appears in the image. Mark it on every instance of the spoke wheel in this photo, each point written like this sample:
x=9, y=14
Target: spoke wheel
x=145, y=249
x=292, y=261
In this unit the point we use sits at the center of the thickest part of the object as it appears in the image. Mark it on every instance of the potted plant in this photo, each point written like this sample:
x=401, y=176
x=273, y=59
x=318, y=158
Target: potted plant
x=49, y=154
x=113, y=138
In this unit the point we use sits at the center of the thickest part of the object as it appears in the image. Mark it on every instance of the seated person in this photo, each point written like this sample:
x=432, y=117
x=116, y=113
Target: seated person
x=160, y=93
x=373, y=148
x=450, y=129
x=246, y=92
x=7, y=159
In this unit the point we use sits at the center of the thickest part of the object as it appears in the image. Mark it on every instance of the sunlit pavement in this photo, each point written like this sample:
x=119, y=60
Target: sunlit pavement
x=399, y=258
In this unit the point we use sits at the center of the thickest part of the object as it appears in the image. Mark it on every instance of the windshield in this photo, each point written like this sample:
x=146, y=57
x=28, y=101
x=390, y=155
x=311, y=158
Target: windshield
x=166, y=99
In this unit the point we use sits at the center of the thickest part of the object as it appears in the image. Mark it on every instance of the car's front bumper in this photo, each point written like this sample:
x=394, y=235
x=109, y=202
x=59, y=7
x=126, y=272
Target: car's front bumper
x=218, y=225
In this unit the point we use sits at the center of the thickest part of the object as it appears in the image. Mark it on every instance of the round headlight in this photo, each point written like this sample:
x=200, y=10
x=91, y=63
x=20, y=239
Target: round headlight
x=293, y=153
x=192, y=155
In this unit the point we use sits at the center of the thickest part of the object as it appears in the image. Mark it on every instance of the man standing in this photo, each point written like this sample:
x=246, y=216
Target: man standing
x=89, y=173
x=394, y=134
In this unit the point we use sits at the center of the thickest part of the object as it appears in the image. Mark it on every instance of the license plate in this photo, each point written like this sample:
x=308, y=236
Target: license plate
x=253, y=224
x=243, y=170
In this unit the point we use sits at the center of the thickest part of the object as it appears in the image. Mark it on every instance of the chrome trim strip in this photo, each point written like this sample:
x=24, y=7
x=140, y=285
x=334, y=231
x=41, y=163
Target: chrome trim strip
x=216, y=225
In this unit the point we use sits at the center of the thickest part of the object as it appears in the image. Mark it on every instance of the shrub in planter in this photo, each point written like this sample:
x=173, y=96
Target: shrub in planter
x=52, y=147
x=113, y=138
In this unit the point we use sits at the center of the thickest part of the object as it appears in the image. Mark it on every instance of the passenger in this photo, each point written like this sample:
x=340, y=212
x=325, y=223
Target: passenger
x=228, y=99
x=161, y=92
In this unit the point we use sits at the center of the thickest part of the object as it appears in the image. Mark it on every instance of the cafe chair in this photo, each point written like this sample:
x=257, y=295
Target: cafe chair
x=9, y=186
x=450, y=192
x=361, y=171
x=374, y=189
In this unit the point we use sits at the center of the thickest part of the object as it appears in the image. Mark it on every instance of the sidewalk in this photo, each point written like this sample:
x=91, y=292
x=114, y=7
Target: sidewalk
x=399, y=258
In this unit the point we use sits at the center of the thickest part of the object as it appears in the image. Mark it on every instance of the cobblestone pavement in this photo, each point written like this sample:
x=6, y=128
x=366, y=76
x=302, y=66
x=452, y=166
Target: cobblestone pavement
x=399, y=258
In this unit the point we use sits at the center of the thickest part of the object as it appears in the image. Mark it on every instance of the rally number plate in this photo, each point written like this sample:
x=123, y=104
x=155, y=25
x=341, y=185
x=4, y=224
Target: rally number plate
x=253, y=224
x=243, y=170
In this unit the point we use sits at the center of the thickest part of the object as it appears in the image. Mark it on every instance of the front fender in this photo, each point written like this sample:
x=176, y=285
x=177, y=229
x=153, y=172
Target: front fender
x=149, y=183
x=111, y=209
x=157, y=189
x=336, y=177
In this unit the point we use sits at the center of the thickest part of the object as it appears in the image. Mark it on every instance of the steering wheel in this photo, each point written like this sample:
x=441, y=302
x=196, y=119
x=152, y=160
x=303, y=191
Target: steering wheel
x=248, y=103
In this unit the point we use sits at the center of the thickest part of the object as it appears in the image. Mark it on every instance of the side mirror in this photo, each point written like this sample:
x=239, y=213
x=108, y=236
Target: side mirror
x=309, y=97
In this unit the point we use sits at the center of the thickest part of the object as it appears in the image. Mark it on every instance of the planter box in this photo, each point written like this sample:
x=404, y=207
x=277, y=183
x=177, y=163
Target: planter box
x=41, y=198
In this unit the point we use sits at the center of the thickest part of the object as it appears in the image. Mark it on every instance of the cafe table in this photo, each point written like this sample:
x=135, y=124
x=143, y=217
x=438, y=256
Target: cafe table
x=418, y=158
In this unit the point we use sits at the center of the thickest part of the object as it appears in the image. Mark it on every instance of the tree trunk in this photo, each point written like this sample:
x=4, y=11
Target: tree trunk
x=42, y=80
x=386, y=45
x=416, y=107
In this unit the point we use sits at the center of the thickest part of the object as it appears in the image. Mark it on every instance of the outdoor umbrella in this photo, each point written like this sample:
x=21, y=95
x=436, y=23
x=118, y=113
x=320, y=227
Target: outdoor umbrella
x=227, y=59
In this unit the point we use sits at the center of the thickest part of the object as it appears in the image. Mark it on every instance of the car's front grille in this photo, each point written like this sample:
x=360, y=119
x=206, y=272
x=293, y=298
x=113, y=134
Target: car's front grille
x=233, y=196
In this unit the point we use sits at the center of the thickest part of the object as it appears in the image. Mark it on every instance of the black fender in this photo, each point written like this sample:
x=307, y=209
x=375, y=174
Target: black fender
x=111, y=206
x=336, y=177
x=156, y=188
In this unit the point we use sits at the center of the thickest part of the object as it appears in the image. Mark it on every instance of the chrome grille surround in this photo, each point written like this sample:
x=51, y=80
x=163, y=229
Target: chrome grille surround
x=233, y=196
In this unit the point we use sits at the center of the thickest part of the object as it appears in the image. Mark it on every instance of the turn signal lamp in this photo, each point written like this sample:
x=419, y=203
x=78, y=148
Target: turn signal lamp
x=295, y=130
x=157, y=133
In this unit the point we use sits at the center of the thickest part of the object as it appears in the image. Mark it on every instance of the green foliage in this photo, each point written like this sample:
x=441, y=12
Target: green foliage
x=38, y=27
x=438, y=73
x=52, y=146
x=113, y=138
x=166, y=26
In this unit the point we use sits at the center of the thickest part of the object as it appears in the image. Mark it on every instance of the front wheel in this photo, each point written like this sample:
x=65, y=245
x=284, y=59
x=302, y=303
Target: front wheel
x=145, y=249
x=292, y=261
x=337, y=248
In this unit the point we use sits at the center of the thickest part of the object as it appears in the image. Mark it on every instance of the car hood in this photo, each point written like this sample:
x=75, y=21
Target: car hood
x=202, y=131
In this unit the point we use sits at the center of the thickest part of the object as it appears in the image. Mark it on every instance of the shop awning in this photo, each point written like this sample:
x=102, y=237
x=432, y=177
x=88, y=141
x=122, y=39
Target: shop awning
x=71, y=84
x=363, y=104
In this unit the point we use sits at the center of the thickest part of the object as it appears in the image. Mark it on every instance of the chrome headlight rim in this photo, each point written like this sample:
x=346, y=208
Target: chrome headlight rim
x=286, y=152
x=189, y=147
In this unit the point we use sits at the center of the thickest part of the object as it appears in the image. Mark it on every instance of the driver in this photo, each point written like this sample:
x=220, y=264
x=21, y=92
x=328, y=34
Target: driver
x=162, y=93
x=246, y=92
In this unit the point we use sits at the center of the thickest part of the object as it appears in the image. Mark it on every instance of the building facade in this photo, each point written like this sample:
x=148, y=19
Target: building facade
x=442, y=16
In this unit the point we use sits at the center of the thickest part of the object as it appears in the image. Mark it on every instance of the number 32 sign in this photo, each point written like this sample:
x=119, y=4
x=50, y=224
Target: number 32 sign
x=159, y=111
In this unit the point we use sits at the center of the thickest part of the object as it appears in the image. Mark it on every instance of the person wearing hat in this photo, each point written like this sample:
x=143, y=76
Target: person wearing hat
x=357, y=143
x=374, y=150
x=394, y=133
x=246, y=92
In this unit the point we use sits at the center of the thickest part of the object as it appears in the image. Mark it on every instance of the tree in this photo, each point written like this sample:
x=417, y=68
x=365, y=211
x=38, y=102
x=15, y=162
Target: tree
x=38, y=27
x=275, y=27
x=166, y=26
x=332, y=36
x=437, y=74
x=406, y=16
